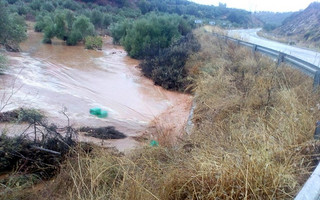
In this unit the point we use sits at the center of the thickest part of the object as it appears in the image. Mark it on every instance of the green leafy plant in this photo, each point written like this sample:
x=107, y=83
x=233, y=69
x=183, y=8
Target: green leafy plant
x=93, y=42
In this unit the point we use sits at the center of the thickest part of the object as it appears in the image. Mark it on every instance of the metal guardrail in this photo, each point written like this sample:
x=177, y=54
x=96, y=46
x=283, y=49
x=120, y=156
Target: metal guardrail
x=311, y=189
x=306, y=67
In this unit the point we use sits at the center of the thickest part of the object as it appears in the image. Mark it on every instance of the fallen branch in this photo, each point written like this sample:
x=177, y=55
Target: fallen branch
x=46, y=150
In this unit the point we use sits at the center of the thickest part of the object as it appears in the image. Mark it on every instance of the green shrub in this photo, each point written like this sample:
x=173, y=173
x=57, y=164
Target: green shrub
x=74, y=38
x=93, y=42
x=30, y=115
x=84, y=27
x=119, y=30
x=269, y=27
x=49, y=32
x=152, y=33
x=3, y=63
x=12, y=28
x=48, y=6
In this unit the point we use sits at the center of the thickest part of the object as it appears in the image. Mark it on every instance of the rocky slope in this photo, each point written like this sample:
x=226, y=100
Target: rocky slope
x=303, y=26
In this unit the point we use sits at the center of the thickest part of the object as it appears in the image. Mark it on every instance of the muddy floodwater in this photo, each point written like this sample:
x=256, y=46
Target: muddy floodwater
x=54, y=77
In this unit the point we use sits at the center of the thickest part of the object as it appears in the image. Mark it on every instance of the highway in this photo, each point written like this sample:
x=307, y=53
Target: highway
x=250, y=35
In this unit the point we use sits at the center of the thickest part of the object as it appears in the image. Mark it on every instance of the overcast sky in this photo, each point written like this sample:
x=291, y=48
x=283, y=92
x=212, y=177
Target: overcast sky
x=261, y=5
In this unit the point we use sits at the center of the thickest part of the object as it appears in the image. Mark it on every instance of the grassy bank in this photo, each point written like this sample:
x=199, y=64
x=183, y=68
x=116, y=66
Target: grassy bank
x=253, y=138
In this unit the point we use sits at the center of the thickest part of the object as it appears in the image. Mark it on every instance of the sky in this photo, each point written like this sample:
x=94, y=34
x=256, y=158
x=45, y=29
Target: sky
x=261, y=5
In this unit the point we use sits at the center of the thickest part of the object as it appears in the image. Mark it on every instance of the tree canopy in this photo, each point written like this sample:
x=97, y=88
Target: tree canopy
x=146, y=36
x=12, y=28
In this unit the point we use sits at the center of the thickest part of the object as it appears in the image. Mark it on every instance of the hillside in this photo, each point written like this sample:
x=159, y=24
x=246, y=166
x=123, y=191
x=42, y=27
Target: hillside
x=303, y=26
x=272, y=17
x=221, y=15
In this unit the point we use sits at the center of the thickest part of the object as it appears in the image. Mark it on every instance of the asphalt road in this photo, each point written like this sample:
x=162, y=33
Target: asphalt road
x=250, y=35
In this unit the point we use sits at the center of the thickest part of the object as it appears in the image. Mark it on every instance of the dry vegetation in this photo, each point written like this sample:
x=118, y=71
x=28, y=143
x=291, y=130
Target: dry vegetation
x=253, y=139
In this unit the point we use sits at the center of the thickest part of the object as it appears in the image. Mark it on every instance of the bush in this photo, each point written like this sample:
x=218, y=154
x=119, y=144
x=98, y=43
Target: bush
x=48, y=6
x=97, y=18
x=13, y=29
x=3, y=63
x=107, y=20
x=119, y=30
x=35, y=5
x=74, y=38
x=49, y=32
x=152, y=33
x=42, y=22
x=92, y=42
x=269, y=27
x=168, y=68
x=30, y=115
x=83, y=26
x=64, y=26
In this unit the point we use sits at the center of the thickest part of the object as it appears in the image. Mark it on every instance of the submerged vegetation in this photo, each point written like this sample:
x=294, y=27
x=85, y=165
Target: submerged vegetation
x=3, y=63
x=92, y=42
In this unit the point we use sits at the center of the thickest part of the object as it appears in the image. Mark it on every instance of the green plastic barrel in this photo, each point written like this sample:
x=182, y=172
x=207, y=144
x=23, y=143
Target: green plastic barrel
x=103, y=114
x=95, y=111
x=98, y=112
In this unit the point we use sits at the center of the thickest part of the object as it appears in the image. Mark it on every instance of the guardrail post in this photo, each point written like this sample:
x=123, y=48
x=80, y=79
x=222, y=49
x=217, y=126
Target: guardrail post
x=316, y=81
x=280, y=58
x=254, y=48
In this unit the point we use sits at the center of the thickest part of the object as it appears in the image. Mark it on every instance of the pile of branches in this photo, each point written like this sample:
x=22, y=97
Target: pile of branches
x=104, y=133
x=39, y=149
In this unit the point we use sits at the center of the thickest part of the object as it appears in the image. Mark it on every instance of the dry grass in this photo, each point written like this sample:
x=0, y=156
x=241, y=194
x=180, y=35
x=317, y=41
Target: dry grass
x=253, y=138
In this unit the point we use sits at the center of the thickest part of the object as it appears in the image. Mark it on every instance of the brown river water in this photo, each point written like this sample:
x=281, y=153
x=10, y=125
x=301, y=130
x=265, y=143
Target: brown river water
x=54, y=77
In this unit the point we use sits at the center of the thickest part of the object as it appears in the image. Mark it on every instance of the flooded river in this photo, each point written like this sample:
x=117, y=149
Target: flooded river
x=54, y=77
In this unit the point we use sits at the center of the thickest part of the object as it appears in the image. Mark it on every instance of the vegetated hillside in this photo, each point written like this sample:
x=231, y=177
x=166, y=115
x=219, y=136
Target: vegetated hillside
x=304, y=26
x=236, y=17
x=272, y=18
x=119, y=3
